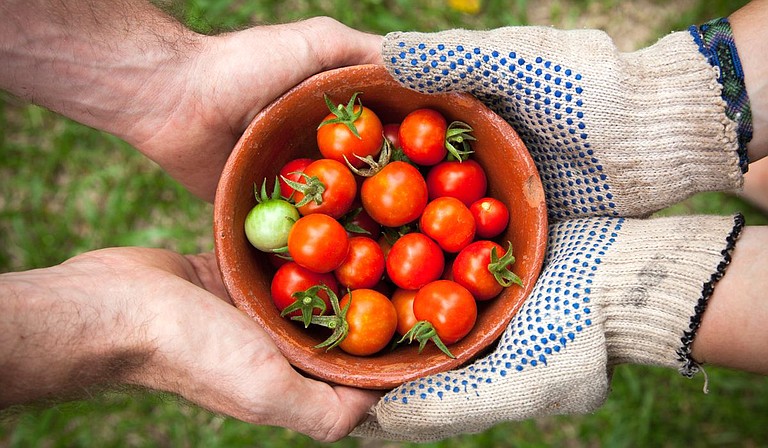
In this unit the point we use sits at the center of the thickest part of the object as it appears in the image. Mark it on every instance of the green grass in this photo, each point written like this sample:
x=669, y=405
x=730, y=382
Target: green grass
x=66, y=188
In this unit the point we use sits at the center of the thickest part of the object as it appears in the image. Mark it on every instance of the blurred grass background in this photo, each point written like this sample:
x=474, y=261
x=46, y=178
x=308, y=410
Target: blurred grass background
x=66, y=189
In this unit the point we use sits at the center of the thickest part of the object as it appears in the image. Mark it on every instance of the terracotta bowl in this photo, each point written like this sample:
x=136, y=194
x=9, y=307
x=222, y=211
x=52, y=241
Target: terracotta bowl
x=286, y=130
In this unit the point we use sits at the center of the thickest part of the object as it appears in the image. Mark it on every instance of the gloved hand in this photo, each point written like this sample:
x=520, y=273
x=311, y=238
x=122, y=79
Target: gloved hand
x=614, y=290
x=614, y=135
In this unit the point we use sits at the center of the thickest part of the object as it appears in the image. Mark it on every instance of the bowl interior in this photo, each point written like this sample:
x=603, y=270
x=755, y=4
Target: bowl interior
x=286, y=130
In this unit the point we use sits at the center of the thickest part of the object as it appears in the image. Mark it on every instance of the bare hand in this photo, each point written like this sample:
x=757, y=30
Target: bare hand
x=154, y=318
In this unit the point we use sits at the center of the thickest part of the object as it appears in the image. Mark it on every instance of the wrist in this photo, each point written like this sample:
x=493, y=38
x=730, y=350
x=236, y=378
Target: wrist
x=60, y=337
x=749, y=36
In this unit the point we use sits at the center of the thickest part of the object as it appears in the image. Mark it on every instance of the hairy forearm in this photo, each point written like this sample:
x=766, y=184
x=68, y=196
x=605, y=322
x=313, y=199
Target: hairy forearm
x=57, y=341
x=750, y=32
x=102, y=63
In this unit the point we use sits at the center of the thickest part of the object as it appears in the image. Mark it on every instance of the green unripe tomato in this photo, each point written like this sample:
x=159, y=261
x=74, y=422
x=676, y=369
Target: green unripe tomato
x=268, y=223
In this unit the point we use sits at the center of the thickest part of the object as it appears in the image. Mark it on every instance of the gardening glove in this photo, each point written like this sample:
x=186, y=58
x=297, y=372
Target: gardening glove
x=613, y=290
x=612, y=134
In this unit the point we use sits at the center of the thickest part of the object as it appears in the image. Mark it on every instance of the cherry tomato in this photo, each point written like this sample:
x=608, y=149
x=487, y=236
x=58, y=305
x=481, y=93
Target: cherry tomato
x=391, y=131
x=449, y=307
x=331, y=184
x=475, y=269
x=363, y=266
x=465, y=181
x=449, y=222
x=318, y=242
x=337, y=141
x=396, y=195
x=292, y=171
x=268, y=224
x=372, y=322
x=422, y=136
x=402, y=299
x=291, y=278
x=414, y=260
x=491, y=217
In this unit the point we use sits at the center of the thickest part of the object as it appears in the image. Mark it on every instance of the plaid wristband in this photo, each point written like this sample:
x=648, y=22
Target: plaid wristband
x=715, y=40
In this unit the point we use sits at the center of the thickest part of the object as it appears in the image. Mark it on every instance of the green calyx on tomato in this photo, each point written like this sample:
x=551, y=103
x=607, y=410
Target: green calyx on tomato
x=306, y=302
x=457, y=141
x=374, y=166
x=336, y=322
x=345, y=115
x=423, y=331
x=312, y=189
x=499, y=267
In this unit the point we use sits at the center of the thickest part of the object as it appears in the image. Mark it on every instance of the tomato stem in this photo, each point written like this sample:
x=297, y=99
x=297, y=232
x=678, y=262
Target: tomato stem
x=500, y=267
x=374, y=166
x=423, y=331
x=261, y=195
x=345, y=115
x=457, y=141
x=312, y=189
x=336, y=322
x=306, y=302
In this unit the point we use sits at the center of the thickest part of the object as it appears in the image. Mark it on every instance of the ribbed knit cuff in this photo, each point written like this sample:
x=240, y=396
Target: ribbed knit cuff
x=656, y=284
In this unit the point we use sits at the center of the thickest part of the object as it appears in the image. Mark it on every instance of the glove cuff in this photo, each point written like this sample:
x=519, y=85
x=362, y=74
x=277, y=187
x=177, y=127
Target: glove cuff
x=656, y=286
x=716, y=43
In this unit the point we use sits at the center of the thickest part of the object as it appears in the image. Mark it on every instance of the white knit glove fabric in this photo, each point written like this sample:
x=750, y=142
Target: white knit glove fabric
x=614, y=290
x=613, y=134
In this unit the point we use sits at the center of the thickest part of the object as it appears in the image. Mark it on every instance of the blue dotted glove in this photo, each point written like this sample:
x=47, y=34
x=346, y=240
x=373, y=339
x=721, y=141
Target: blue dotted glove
x=613, y=134
x=614, y=290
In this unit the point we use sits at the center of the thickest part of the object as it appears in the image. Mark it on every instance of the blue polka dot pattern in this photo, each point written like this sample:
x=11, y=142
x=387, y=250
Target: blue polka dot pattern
x=558, y=311
x=543, y=101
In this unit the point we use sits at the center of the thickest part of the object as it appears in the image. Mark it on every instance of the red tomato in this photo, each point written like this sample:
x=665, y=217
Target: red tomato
x=402, y=299
x=391, y=131
x=491, y=217
x=465, y=181
x=363, y=266
x=449, y=307
x=473, y=270
x=292, y=278
x=449, y=222
x=396, y=195
x=318, y=242
x=414, y=260
x=372, y=322
x=337, y=141
x=292, y=171
x=422, y=136
x=331, y=184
